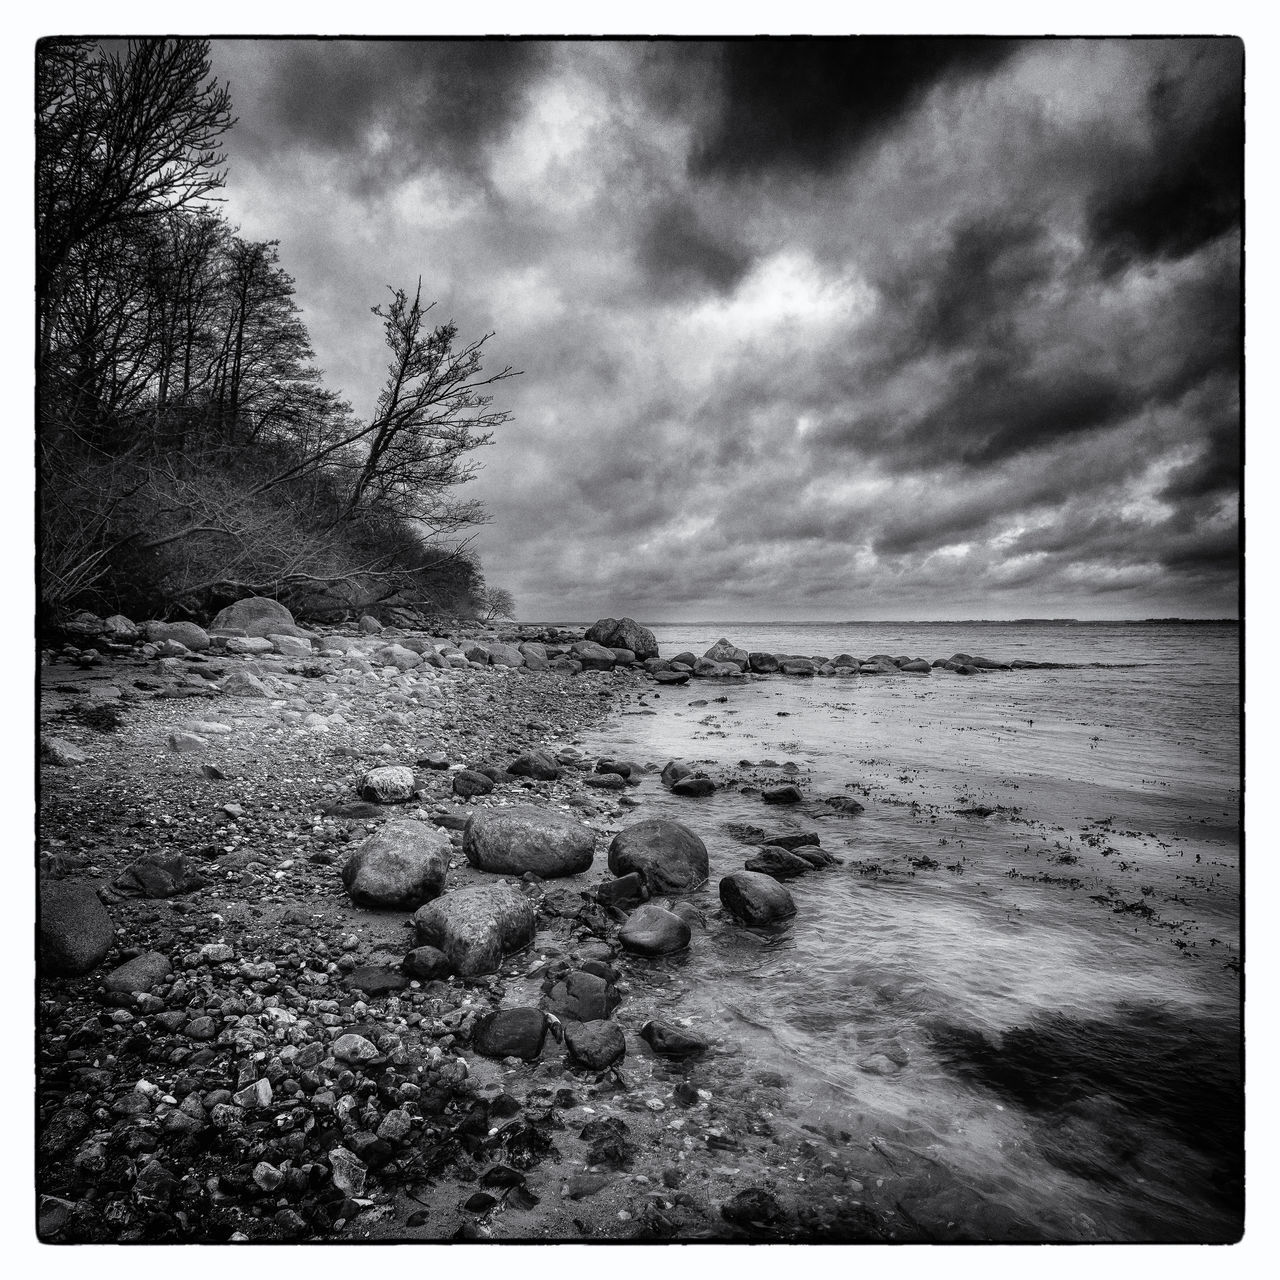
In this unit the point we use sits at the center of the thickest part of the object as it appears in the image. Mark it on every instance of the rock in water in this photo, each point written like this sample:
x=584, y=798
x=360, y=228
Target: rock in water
x=667, y=854
x=694, y=784
x=652, y=930
x=624, y=633
x=582, y=997
x=672, y=1041
x=525, y=837
x=755, y=899
x=511, y=1033
x=402, y=866
x=782, y=795
x=76, y=932
x=781, y=864
x=476, y=927
x=597, y=1045
x=391, y=784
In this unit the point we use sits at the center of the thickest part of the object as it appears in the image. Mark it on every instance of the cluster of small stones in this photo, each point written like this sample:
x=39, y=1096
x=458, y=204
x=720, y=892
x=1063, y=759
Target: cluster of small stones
x=204, y=1076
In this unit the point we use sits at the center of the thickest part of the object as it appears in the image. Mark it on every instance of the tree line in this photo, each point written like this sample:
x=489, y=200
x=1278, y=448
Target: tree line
x=188, y=450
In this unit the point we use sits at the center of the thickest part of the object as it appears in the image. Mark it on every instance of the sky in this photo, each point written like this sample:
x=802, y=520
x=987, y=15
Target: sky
x=851, y=329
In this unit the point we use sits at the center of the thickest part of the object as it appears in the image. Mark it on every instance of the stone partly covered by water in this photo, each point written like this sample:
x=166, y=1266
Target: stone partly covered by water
x=666, y=854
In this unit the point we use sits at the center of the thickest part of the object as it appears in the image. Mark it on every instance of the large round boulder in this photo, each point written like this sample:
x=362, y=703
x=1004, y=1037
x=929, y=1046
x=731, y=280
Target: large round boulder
x=255, y=616
x=402, y=866
x=76, y=931
x=667, y=854
x=476, y=927
x=652, y=930
x=755, y=899
x=762, y=663
x=525, y=837
x=535, y=764
x=194, y=637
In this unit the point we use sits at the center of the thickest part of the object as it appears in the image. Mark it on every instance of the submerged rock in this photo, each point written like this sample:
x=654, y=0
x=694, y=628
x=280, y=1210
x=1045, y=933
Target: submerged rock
x=670, y=1041
x=652, y=930
x=780, y=864
x=755, y=899
x=596, y=1044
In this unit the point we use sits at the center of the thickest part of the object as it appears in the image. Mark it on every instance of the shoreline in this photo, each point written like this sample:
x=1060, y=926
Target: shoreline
x=505, y=1158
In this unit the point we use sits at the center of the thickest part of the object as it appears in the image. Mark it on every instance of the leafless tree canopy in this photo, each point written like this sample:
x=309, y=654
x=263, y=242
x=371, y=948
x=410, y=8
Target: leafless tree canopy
x=189, y=450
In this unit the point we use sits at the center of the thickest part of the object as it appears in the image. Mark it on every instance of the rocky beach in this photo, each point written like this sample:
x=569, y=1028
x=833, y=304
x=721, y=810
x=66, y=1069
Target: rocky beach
x=345, y=934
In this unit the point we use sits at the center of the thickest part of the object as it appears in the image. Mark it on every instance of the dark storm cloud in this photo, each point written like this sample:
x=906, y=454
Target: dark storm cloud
x=680, y=256
x=793, y=370
x=1186, y=185
x=440, y=103
x=810, y=104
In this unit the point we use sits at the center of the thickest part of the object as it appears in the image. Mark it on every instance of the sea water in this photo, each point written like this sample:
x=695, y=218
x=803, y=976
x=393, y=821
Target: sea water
x=1025, y=977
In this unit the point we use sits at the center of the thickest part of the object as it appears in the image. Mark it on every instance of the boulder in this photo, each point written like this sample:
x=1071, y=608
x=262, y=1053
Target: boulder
x=511, y=1033
x=652, y=930
x=625, y=891
x=468, y=783
x=762, y=663
x=781, y=864
x=255, y=616
x=248, y=645
x=291, y=646
x=845, y=804
x=84, y=625
x=158, y=876
x=917, y=666
x=60, y=752
x=142, y=973
x=402, y=865
x=389, y=784
x=797, y=667
x=708, y=667
x=605, y=781
x=582, y=997
x=535, y=764
x=671, y=1041
x=693, y=785
x=520, y=838
x=189, y=634
x=685, y=659
x=624, y=633
x=671, y=677
x=726, y=651
x=426, y=963
x=76, y=930
x=755, y=899
x=669, y=857
x=782, y=795
x=596, y=1045
x=369, y=625
x=398, y=656
x=121, y=630
x=476, y=927
x=505, y=655
x=673, y=771
x=594, y=657
x=244, y=684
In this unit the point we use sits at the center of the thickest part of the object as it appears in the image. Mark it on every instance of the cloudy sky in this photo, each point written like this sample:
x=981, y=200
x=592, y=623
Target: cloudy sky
x=849, y=329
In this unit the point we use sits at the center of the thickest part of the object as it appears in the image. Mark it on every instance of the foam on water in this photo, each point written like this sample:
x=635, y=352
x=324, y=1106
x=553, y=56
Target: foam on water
x=1034, y=1001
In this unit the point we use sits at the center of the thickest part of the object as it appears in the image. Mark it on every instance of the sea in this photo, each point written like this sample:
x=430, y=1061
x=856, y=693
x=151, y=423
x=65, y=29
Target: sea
x=1024, y=980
